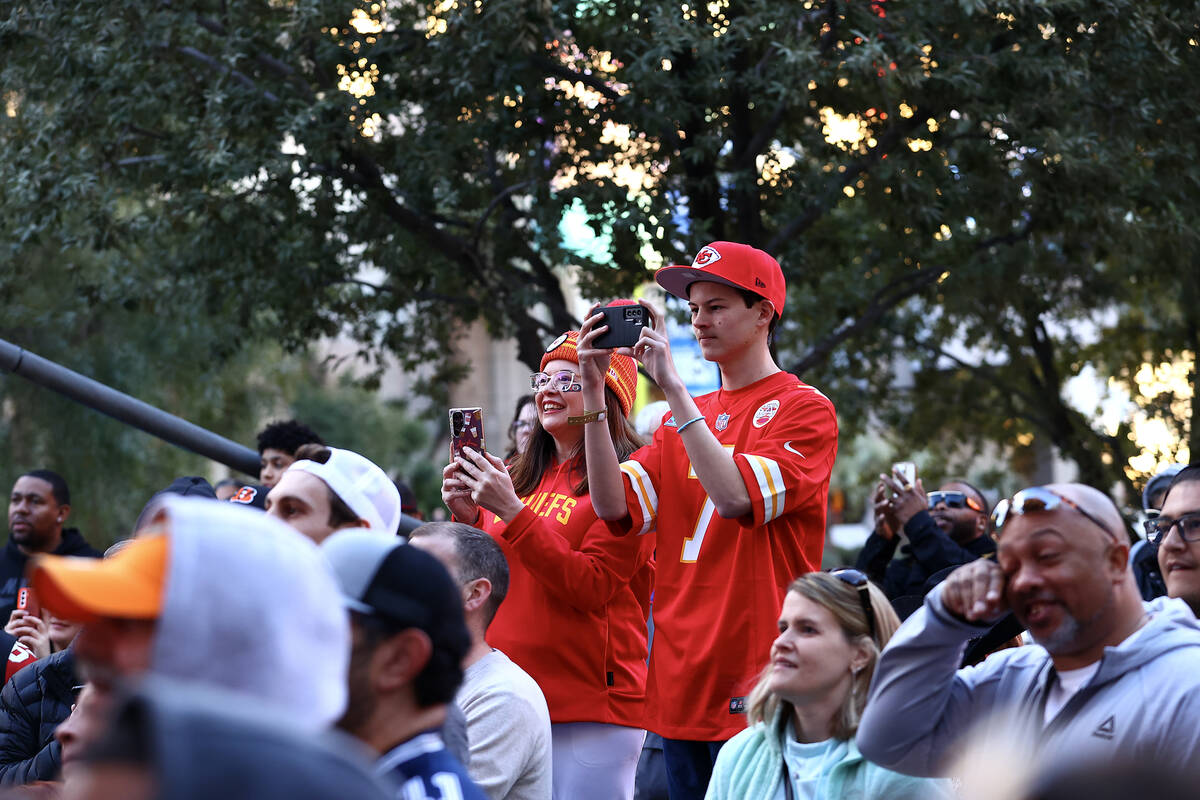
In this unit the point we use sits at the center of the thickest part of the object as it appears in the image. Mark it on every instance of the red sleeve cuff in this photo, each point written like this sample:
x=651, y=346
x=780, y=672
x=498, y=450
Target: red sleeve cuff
x=520, y=524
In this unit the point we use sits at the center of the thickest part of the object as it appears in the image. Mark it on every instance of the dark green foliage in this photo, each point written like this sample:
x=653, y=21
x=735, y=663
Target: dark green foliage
x=1045, y=221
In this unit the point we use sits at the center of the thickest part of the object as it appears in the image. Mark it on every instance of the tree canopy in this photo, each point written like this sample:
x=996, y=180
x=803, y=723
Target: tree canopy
x=994, y=195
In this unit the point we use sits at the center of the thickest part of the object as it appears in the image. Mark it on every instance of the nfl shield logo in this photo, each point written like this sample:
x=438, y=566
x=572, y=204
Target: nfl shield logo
x=722, y=422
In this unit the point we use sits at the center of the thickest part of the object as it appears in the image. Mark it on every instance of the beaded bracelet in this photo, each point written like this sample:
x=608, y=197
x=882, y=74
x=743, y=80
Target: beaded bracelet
x=689, y=422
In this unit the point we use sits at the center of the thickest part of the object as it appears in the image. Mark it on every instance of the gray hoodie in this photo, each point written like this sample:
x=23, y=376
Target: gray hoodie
x=1144, y=699
x=252, y=606
x=202, y=743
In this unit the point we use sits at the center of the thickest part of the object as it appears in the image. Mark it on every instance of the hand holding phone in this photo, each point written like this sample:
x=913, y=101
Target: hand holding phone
x=625, y=323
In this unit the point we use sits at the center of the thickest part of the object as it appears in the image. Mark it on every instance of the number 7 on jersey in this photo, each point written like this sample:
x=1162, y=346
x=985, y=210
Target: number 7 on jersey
x=692, y=544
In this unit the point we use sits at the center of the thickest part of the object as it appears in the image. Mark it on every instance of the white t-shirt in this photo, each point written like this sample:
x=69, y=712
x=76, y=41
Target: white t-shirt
x=1070, y=681
x=508, y=729
x=809, y=764
x=1066, y=684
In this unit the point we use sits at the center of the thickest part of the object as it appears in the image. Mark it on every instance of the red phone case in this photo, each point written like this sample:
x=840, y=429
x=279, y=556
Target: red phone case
x=27, y=601
x=466, y=433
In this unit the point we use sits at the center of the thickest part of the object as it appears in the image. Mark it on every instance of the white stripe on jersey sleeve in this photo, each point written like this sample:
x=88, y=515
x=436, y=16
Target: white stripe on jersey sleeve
x=647, y=497
x=770, y=484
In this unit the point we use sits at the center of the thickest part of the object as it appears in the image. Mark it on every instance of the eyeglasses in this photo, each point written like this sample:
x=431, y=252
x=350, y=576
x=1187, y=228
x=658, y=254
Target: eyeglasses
x=1039, y=498
x=858, y=580
x=1189, y=527
x=521, y=424
x=954, y=500
x=564, y=381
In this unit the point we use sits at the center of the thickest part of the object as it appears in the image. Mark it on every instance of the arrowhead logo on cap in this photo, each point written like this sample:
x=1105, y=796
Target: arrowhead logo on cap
x=557, y=343
x=707, y=255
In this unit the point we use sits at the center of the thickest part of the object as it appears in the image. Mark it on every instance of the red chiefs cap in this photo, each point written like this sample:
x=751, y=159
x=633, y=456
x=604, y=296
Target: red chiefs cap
x=737, y=265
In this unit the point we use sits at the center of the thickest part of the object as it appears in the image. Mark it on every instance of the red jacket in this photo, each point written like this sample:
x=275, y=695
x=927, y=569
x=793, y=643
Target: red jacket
x=578, y=597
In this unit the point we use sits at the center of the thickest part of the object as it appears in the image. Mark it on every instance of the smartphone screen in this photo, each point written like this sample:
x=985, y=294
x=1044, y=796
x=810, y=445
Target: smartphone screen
x=466, y=430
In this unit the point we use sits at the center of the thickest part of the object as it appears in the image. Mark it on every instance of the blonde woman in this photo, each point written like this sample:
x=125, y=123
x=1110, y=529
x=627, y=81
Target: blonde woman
x=803, y=713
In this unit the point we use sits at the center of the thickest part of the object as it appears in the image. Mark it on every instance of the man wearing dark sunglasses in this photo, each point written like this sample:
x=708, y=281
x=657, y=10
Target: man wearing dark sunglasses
x=1108, y=677
x=1176, y=532
x=945, y=529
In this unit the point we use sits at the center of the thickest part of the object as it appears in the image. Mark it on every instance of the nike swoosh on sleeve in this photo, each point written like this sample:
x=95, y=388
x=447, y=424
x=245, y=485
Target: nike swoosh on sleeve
x=788, y=446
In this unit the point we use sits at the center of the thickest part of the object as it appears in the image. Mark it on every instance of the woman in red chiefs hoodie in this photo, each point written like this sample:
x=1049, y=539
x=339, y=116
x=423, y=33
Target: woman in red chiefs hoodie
x=575, y=614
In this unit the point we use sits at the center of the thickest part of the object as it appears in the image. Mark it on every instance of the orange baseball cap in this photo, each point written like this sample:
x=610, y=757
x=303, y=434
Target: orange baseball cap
x=738, y=265
x=129, y=585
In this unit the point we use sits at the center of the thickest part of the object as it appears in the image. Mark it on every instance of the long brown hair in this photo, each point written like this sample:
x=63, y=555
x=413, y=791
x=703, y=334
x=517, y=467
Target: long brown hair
x=841, y=600
x=528, y=468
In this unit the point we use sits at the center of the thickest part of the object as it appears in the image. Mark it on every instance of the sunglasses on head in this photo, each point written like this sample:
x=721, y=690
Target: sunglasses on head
x=954, y=500
x=1189, y=527
x=564, y=381
x=1039, y=498
x=858, y=580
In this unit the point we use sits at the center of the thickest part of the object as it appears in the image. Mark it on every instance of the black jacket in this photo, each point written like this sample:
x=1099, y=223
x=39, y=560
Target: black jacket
x=12, y=567
x=929, y=552
x=32, y=705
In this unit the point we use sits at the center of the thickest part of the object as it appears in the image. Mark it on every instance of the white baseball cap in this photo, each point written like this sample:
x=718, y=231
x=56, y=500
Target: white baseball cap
x=361, y=485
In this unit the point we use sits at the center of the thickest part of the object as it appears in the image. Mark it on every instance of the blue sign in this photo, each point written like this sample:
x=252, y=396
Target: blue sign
x=700, y=376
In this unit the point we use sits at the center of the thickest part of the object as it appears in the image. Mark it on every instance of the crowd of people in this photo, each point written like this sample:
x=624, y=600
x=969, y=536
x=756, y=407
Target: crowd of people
x=607, y=615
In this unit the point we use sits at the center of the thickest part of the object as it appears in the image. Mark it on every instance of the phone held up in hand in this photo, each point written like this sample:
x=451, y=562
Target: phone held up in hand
x=906, y=471
x=27, y=602
x=466, y=430
x=625, y=325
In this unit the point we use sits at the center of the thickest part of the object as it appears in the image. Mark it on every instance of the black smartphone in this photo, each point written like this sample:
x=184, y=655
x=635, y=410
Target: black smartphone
x=625, y=325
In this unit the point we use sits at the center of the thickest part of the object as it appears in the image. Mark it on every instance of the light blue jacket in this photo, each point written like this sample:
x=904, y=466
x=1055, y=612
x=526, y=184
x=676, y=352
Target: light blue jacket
x=1143, y=700
x=750, y=767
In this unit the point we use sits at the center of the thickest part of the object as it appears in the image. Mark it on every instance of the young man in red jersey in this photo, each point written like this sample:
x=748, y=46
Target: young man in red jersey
x=734, y=485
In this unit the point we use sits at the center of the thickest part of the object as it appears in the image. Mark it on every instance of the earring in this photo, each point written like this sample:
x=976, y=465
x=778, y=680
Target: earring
x=854, y=680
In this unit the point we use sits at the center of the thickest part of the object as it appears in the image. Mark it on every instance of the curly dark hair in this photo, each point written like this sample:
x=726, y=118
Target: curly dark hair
x=287, y=436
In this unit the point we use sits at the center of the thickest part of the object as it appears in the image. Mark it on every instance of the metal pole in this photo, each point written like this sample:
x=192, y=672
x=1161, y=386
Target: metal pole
x=124, y=408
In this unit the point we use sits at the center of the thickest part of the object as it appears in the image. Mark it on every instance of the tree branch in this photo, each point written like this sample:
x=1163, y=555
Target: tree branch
x=884, y=300
x=886, y=142
x=136, y=160
x=217, y=66
x=569, y=74
x=367, y=175
x=764, y=134
x=1006, y=389
x=496, y=201
x=887, y=298
x=212, y=26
